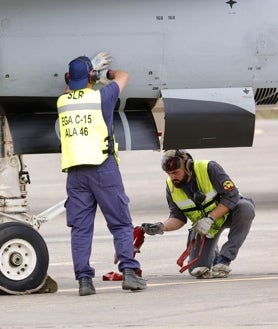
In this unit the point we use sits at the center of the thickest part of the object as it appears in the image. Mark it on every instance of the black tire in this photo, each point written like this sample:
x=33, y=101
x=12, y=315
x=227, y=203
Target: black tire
x=24, y=258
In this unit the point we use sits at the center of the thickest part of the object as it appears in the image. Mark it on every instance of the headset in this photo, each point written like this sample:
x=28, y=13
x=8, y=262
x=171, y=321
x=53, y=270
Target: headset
x=188, y=160
x=174, y=159
x=93, y=75
x=67, y=78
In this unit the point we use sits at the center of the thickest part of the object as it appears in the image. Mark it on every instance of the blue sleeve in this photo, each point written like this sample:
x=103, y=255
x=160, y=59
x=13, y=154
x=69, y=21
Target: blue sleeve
x=109, y=97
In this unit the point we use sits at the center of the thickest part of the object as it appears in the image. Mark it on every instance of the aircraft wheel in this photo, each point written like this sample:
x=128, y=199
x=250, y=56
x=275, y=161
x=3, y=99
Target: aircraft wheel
x=24, y=258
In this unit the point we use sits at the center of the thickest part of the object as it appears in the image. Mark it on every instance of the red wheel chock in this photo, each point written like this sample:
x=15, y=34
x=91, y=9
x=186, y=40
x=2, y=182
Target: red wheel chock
x=138, y=240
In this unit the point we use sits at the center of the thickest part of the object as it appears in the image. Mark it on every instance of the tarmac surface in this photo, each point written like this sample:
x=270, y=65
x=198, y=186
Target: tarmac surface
x=248, y=298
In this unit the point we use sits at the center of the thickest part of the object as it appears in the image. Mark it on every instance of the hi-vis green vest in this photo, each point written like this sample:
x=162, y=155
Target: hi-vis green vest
x=83, y=131
x=189, y=208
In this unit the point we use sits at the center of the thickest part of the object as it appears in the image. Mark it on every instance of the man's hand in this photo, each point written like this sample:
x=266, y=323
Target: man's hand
x=152, y=229
x=203, y=225
x=101, y=61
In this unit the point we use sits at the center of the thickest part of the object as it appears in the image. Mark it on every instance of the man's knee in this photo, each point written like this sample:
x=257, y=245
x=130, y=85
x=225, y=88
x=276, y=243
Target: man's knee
x=248, y=209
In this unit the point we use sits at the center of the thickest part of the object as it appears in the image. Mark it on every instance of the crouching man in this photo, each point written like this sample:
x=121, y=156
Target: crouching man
x=202, y=192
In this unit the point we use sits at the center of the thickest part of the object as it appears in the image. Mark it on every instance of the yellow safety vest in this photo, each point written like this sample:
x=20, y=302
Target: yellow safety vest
x=188, y=207
x=83, y=131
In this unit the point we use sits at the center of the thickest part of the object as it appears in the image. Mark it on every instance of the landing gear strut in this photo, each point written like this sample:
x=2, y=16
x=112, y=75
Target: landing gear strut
x=24, y=255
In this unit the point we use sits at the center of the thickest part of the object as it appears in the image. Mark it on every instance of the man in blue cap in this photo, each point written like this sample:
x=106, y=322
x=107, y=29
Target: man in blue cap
x=89, y=156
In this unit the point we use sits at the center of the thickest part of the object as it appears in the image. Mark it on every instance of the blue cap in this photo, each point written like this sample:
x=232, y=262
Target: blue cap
x=79, y=70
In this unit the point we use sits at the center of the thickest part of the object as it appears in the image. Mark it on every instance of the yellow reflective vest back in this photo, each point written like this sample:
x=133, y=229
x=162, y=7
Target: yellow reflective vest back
x=83, y=131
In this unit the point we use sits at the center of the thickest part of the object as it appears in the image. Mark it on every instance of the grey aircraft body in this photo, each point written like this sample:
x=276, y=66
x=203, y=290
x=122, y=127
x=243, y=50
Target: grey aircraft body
x=209, y=63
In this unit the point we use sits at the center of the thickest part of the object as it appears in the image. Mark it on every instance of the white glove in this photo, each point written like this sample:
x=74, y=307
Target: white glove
x=101, y=61
x=203, y=225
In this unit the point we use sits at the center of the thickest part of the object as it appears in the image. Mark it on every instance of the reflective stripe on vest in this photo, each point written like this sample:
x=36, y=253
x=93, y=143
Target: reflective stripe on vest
x=83, y=131
x=184, y=204
x=188, y=207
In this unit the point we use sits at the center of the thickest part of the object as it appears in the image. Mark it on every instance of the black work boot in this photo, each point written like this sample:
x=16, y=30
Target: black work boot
x=86, y=286
x=131, y=281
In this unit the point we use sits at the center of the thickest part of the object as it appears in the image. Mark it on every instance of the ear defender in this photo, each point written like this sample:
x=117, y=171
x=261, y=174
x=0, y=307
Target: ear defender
x=94, y=76
x=67, y=78
x=188, y=161
x=188, y=165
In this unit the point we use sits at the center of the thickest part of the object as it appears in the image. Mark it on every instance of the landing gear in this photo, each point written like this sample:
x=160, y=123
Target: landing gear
x=24, y=258
x=24, y=255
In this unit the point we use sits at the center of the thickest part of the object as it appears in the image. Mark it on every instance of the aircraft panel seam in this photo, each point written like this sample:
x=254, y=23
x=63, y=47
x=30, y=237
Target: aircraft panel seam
x=126, y=130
